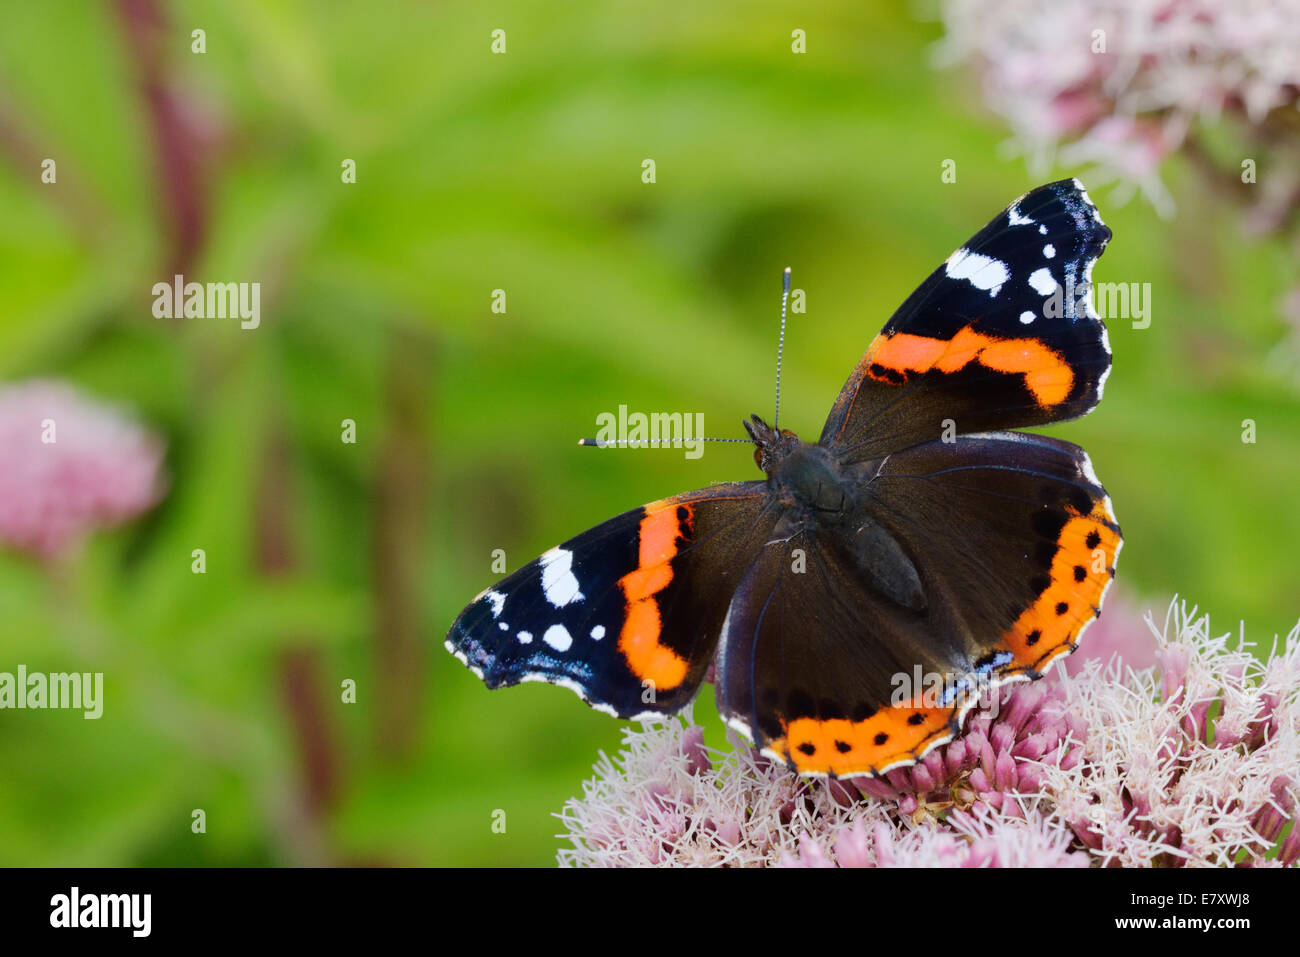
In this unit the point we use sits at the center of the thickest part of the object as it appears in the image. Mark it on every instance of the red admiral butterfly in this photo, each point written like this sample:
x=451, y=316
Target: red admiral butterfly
x=914, y=536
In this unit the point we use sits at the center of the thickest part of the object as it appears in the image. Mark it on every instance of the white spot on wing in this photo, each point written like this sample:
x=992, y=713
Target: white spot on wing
x=1049, y=251
x=558, y=581
x=558, y=637
x=1105, y=373
x=598, y=632
x=498, y=601
x=1042, y=228
x=464, y=660
x=525, y=637
x=1042, y=281
x=982, y=272
x=1085, y=466
x=1026, y=317
x=1087, y=199
x=1015, y=219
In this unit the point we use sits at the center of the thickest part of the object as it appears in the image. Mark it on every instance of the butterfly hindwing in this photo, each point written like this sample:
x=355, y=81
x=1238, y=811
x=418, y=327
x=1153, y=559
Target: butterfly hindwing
x=1002, y=335
x=1012, y=532
x=830, y=655
x=808, y=662
x=627, y=614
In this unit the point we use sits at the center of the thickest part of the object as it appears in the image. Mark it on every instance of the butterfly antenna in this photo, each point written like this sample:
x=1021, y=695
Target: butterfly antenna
x=780, y=344
x=780, y=347
x=615, y=443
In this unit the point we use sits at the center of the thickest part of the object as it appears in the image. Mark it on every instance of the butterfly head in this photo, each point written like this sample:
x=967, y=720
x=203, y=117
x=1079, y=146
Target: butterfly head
x=770, y=445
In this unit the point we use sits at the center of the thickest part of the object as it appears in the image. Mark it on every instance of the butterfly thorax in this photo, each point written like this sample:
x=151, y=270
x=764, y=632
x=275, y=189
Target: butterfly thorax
x=809, y=479
x=803, y=477
x=818, y=495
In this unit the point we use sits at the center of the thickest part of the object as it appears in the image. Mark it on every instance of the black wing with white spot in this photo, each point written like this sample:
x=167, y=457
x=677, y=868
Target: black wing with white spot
x=1002, y=335
x=628, y=613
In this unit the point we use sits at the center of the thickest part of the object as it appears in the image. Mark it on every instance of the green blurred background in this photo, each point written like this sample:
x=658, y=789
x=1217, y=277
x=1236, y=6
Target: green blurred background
x=329, y=561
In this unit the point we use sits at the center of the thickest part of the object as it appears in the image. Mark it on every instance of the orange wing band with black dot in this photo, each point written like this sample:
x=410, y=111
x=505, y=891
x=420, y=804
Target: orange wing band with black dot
x=1083, y=566
x=842, y=747
x=893, y=357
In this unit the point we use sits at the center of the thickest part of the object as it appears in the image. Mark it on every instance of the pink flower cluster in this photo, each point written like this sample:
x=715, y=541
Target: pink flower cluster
x=1121, y=83
x=1189, y=760
x=69, y=465
x=966, y=840
x=998, y=758
x=1192, y=762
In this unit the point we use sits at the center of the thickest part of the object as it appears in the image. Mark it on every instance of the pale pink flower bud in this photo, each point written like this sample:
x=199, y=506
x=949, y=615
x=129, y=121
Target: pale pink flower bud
x=1001, y=737
x=697, y=755
x=884, y=845
x=851, y=849
x=1004, y=778
x=922, y=780
x=955, y=757
x=1289, y=853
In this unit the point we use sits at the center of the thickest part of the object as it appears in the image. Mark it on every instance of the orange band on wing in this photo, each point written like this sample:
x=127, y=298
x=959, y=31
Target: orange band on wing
x=1048, y=376
x=1082, y=568
x=842, y=747
x=639, y=639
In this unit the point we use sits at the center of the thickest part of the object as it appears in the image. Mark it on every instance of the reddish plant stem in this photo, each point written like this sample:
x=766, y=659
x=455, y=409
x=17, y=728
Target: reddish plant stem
x=304, y=694
x=184, y=137
x=401, y=494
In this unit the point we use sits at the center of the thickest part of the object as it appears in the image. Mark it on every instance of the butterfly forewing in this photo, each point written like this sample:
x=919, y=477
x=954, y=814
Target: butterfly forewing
x=1001, y=335
x=628, y=613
